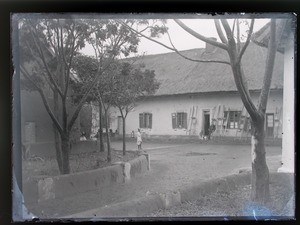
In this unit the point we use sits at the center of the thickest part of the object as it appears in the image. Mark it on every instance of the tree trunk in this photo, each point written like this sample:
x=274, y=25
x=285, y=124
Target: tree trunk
x=107, y=138
x=65, y=146
x=58, y=150
x=124, y=135
x=260, y=191
x=101, y=143
x=56, y=134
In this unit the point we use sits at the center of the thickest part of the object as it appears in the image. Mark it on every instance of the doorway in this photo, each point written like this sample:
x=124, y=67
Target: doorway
x=206, y=120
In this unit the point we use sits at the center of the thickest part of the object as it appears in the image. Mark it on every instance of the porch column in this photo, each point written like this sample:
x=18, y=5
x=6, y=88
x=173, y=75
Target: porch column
x=288, y=142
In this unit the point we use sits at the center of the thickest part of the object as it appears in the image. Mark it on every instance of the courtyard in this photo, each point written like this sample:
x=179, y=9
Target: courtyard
x=173, y=166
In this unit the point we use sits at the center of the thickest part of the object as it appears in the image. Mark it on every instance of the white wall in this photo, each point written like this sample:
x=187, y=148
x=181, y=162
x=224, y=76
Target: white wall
x=162, y=108
x=288, y=139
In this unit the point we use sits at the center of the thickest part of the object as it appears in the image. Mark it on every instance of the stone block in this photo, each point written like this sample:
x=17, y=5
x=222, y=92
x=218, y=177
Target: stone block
x=46, y=189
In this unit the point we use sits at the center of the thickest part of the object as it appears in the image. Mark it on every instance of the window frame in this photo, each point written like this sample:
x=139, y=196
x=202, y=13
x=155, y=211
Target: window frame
x=146, y=122
x=183, y=120
x=233, y=119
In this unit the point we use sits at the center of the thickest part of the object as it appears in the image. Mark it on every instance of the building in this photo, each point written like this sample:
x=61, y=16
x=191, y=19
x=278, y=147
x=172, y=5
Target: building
x=193, y=95
x=287, y=47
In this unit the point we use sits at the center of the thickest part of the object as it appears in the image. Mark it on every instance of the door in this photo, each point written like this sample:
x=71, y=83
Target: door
x=270, y=124
x=120, y=125
x=206, y=122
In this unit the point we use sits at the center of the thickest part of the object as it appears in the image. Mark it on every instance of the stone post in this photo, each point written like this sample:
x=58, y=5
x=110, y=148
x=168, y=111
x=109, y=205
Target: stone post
x=46, y=189
x=125, y=169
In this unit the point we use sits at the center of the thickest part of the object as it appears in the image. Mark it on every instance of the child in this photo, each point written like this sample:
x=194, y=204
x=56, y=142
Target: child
x=139, y=139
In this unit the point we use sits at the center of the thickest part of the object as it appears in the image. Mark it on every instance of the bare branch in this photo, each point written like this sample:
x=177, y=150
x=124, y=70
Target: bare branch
x=233, y=26
x=69, y=68
x=41, y=66
x=220, y=32
x=195, y=60
x=227, y=30
x=238, y=75
x=201, y=37
x=247, y=41
x=143, y=35
x=238, y=35
x=41, y=53
x=146, y=28
x=48, y=109
x=121, y=111
x=62, y=46
x=175, y=50
x=275, y=36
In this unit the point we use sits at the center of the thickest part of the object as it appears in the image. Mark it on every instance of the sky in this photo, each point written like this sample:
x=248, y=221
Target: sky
x=180, y=38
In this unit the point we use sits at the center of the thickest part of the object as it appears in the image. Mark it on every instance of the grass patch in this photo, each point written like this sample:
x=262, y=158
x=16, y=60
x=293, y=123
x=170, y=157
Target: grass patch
x=235, y=203
x=47, y=166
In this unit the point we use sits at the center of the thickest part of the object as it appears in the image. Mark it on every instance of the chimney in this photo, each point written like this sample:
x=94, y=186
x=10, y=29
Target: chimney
x=210, y=48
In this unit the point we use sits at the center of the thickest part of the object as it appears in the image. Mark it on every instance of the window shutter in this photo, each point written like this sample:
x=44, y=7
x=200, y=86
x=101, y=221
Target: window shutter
x=141, y=116
x=173, y=120
x=185, y=120
x=150, y=120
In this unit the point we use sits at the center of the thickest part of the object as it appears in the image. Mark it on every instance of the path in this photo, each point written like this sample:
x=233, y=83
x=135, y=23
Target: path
x=172, y=166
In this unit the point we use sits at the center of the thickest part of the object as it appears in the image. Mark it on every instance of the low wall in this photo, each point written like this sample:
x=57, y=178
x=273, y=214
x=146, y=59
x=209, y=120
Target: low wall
x=143, y=206
x=138, y=166
x=45, y=188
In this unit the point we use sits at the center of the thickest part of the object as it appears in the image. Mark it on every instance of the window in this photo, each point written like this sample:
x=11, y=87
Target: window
x=232, y=119
x=179, y=120
x=145, y=120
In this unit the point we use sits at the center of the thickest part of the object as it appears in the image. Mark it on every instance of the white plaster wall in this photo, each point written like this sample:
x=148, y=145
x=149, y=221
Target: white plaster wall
x=162, y=108
x=288, y=139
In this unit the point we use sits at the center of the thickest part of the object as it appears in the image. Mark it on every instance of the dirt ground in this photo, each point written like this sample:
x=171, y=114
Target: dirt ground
x=172, y=166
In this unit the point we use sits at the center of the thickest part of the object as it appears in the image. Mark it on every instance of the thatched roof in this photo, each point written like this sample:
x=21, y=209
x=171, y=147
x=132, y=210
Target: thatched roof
x=180, y=76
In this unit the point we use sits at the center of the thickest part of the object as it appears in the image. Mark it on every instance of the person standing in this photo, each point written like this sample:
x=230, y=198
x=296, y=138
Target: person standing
x=139, y=139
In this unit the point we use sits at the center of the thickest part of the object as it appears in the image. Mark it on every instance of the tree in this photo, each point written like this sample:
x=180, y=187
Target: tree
x=107, y=36
x=48, y=47
x=120, y=86
x=47, y=50
x=132, y=84
x=85, y=68
x=231, y=42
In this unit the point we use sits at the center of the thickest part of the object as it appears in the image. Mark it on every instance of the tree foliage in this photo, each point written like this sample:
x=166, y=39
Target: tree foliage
x=132, y=84
x=121, y=86
x=47, y=50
